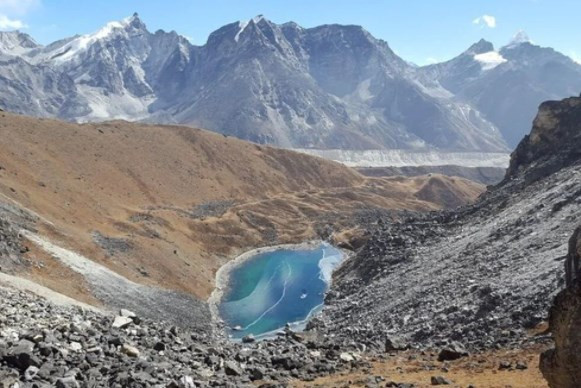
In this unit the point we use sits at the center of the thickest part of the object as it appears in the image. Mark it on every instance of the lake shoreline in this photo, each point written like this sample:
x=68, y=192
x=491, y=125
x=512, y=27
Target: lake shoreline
x=223, y=275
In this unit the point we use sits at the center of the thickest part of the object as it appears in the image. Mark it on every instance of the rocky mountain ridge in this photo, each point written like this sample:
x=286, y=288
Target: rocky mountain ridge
x=507, y=85
x=331, y=86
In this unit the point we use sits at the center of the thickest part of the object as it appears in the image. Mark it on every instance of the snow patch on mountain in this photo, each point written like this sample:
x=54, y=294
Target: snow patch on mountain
x=82, y=43
x=490, y=60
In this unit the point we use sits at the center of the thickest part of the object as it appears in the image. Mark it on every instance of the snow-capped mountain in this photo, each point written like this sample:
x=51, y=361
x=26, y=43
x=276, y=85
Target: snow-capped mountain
x=16, y=43
x=507, y=85
x=331, y=86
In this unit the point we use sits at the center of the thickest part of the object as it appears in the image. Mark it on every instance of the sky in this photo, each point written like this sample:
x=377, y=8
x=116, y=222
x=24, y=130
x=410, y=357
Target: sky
x=421, y=31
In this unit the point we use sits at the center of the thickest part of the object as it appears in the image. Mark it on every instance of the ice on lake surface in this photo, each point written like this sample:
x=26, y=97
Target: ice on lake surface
x=274, y=288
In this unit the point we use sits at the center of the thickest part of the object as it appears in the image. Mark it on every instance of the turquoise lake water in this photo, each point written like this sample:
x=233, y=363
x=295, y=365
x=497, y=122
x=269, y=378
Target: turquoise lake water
x=272, y=289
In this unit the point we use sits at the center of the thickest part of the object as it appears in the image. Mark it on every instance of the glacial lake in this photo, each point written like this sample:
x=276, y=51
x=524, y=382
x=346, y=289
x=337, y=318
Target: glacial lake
x=271, y=289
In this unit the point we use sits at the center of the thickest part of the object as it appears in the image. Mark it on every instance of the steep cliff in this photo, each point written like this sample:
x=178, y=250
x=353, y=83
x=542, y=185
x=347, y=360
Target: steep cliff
x=552, y=144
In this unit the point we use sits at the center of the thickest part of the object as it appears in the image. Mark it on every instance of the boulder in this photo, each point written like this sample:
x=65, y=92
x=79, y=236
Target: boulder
x=30, y=373
x=440, y=380
x=129, y=350
x=186, y=382
x=120, y=322
x=394, y=344
x=232, y=369
x=67, y=382
x=127, y=313
x=256, y=373
x=452, y=352
x=21, y=356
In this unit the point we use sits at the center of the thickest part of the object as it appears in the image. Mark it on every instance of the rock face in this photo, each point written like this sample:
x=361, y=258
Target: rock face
x=560, y=365
x=553, y=143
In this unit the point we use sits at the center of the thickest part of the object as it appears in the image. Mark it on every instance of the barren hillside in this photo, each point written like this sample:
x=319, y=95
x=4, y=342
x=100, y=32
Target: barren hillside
x=166, y=205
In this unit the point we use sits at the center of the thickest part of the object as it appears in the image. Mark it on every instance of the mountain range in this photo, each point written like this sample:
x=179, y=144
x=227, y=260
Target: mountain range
x=331, y=86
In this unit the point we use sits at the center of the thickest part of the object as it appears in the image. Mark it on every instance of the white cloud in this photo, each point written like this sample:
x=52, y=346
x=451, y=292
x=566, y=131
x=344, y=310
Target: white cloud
x=11, y=24
x=485, y=20
x=18, y=7
x=432, y=60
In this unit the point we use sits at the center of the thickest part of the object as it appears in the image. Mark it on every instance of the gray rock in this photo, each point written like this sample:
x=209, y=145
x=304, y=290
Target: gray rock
x=67, y=382
x=452, y=352
x=129, y=350
x=121, y=322
x=440, y=380
x=232, y=369
x=395, y=344
x=30, y=373
x=127, y=313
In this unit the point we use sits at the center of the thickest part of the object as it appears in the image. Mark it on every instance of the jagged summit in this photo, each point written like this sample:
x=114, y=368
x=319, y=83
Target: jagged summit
x=16, y=42
x=258, y=21
x=519, y=38
x=72, y=48
x=482, y=46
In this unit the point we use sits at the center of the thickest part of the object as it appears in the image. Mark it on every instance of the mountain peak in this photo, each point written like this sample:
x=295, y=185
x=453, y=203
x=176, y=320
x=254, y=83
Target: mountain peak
x=133, y=21
x=126, y=27
x=15, y=42
x=519, y=38
x=257, y=18
x=480, y=47
x=243, y=24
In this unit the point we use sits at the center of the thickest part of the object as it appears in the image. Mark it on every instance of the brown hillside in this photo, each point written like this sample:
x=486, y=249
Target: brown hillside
x=168, y=205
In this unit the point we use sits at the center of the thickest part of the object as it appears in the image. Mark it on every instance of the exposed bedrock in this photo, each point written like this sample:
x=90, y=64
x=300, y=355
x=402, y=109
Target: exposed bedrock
x=561, y=365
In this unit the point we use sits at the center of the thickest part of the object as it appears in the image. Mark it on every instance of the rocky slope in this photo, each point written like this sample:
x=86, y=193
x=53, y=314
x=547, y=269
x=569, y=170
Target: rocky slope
x=482, y=275
x=43, y=344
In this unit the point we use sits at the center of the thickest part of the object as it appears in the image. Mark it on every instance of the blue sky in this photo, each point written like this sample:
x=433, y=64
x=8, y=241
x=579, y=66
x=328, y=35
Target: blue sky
x=420, y=31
